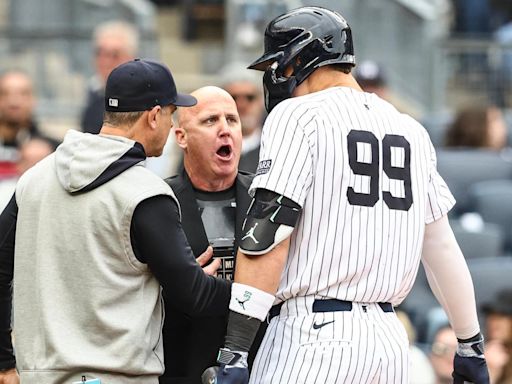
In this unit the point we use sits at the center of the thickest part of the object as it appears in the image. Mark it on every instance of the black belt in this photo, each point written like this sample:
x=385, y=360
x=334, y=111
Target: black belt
x=329, y=305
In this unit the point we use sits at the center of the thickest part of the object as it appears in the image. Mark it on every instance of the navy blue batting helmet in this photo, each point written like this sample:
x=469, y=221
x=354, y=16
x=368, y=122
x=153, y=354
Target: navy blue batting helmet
x=306, y=39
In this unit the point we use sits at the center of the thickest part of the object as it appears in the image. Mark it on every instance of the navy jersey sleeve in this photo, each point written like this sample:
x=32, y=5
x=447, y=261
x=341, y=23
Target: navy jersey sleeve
x=159, y=241
x=7, y=235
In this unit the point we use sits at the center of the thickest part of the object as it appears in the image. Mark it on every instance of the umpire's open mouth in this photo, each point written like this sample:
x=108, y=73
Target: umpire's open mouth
x=225, y=152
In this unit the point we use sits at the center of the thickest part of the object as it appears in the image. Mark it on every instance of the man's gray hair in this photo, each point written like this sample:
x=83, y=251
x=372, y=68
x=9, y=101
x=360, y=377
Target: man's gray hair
x=121, y=30
x=235, y=72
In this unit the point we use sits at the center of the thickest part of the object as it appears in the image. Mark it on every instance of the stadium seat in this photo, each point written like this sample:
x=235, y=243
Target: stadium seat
x=487, y=241
x=493, y=201
x=490, y=276
x=462, y=168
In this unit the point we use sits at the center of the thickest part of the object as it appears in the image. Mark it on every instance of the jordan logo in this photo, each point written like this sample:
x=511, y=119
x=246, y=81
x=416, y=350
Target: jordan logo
x=247, y=296
x=242, y=303
x=250, y=234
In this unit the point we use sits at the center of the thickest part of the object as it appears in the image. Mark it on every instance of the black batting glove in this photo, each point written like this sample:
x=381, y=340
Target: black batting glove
x=233, y=369
x=469, y=363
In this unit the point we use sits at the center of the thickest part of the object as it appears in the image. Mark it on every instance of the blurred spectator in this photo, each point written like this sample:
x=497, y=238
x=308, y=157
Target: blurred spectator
x=478, y=127
x=245, y=86
x=497, y=357
x=372, y=78
x=506, y=371
x=498, y=316
x=115, y=42
x=17, y=103
x=17, y=122
x=442, y=352
x=31, y=151
x=498, y=326
x=420, y=371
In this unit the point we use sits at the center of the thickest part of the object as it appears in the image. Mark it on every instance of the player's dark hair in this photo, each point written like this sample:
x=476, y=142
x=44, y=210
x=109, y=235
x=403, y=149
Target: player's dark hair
x=345, y=68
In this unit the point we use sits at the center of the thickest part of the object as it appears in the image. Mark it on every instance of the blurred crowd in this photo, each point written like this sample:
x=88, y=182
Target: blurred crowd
x=474, y=157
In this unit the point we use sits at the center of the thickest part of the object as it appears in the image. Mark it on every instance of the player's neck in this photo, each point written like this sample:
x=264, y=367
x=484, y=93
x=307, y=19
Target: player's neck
x=325, y=77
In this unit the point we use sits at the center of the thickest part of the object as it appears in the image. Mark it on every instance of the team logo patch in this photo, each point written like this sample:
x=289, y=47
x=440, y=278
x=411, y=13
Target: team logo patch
x=263, y=167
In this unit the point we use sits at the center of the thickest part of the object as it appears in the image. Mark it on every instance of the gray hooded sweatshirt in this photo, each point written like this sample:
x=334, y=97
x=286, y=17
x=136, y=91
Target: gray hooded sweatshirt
x=83, y=303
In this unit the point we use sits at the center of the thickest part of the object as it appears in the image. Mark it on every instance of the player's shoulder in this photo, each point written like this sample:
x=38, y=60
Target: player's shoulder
x=301, y=109
x=294, y=106
x=411, y=123
x=404, y=119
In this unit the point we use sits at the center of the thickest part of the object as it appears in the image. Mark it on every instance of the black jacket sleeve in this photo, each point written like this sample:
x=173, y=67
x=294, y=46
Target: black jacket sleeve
x=7, y=236
x=159, y=241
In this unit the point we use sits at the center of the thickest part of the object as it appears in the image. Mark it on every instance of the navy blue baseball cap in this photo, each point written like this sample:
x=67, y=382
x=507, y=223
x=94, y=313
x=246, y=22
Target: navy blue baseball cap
x=140, y=85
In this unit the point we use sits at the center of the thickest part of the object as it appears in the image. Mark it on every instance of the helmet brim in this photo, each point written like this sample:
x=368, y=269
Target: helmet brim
x=265, y=61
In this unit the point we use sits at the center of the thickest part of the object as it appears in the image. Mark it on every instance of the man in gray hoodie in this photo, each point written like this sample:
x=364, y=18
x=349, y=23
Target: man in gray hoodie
x=87, y=241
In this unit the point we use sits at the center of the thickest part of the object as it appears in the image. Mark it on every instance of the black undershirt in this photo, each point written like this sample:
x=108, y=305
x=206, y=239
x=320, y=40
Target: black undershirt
x=166, y=252
x=218, y=214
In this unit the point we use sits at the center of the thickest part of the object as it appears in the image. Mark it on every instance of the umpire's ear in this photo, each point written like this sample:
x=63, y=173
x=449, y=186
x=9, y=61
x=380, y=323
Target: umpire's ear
x=181, y=136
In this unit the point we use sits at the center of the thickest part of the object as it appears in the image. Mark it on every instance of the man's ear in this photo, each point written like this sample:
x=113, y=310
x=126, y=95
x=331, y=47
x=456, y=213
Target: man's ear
x=181, y=136
x=153, y=115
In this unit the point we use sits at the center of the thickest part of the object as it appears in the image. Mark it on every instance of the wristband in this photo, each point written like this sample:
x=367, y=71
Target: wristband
x=233, y=358
x=471, y=348
x=250, y=301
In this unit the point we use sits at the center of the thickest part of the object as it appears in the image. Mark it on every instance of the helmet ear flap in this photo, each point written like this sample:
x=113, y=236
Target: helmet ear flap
x=346, y=37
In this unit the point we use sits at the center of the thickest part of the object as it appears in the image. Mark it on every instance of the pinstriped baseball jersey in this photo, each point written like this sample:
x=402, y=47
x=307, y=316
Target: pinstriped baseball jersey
x=365, y=176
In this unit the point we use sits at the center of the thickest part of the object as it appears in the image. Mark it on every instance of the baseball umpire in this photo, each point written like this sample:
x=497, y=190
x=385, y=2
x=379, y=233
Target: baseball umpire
x=346, y=202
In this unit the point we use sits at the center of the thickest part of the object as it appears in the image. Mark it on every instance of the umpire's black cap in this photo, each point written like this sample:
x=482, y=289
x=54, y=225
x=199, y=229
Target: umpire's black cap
x=140, y=85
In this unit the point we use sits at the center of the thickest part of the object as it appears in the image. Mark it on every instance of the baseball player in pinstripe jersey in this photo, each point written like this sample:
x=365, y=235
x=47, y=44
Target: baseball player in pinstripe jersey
x=346, y=202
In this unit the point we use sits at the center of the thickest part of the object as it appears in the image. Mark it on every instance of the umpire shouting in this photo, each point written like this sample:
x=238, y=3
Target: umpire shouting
x=213, y=199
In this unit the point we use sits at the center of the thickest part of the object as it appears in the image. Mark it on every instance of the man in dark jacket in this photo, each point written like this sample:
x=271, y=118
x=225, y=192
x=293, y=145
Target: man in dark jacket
x=213, y=198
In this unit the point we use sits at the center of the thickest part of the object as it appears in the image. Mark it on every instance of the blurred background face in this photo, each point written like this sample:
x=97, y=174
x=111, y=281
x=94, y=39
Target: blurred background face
x=111, y=49
x=16, y=98
x=212, y=136
x=441, y=356
x=497, y=129
x=31, y=152
x=496, y=356
x=498, y=326
x=249, y=102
